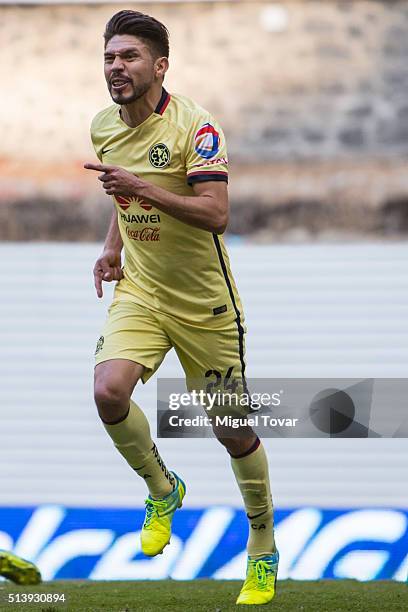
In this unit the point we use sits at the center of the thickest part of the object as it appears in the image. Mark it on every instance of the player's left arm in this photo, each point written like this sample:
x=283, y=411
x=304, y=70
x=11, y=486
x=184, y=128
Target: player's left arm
x=207, y=209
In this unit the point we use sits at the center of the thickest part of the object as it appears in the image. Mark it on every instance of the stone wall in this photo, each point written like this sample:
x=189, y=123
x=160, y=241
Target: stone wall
x=312, y=97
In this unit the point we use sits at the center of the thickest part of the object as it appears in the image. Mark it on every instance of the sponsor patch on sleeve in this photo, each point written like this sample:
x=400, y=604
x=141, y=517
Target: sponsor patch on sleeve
x=207, y=141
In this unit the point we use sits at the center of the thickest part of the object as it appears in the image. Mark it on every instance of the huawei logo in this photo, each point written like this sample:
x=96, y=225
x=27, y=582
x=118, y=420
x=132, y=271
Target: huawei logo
x=146, y=206
x=125, y=202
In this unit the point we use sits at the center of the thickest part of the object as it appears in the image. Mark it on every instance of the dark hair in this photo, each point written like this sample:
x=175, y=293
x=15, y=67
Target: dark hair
x=142, y=26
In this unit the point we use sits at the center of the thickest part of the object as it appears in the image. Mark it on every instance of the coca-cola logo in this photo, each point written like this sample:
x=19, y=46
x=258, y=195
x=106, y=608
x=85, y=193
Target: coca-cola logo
x=147, y=234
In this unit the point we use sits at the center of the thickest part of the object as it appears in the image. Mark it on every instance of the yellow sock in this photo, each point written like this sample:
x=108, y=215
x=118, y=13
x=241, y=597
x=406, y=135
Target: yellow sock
x=132, y=438
x=251, y=472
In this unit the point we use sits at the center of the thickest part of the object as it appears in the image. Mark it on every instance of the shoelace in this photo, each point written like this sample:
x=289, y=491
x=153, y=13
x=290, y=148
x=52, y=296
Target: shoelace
x=153, y=506
x=261, y=570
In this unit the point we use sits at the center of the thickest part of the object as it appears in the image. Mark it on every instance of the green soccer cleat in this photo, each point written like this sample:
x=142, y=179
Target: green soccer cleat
x=260, y=583
x=156, y=530
x=18, y=570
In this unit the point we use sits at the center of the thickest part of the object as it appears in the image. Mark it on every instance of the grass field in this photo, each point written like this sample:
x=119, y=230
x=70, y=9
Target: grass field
x=209, y=596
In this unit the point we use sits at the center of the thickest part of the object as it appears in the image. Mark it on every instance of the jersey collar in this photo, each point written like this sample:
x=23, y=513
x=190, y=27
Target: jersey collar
x=163, y=102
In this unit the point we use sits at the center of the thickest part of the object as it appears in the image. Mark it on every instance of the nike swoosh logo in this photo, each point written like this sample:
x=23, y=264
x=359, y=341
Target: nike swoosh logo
x=106, y=150
x=251, y=518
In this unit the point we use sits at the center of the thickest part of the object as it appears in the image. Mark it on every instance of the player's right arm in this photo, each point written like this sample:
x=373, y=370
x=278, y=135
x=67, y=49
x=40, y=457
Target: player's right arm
x=108, y=266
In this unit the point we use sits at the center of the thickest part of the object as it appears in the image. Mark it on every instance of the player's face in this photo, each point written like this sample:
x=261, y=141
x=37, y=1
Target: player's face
x=129, y=68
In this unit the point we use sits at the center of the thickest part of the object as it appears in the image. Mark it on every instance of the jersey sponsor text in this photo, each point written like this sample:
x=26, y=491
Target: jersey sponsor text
x=147, y=234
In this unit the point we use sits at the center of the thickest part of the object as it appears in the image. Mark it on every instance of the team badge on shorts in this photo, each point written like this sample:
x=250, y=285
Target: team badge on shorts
x=207, y=141
x=159, y=155
x=99, y=345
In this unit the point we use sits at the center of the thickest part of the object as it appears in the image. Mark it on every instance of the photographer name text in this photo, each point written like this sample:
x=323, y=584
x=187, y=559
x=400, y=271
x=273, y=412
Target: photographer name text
x=231, y=422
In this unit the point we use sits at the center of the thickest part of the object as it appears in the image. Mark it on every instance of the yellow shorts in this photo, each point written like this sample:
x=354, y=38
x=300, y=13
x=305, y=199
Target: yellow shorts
x=145, y=336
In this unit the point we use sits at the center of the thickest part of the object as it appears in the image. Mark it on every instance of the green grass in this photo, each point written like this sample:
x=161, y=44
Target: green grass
x=210, y=596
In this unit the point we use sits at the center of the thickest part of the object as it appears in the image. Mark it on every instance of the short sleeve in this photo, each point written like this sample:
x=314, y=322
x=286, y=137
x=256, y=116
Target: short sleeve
x=206, y=152
x=95, y=140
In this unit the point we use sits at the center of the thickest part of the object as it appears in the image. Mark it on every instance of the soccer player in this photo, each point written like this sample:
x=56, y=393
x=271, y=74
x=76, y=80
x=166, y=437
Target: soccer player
x=18, y=570
x=164, y=161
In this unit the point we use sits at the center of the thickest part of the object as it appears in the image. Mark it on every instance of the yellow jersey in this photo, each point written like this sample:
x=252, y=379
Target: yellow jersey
x=170, y=267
